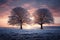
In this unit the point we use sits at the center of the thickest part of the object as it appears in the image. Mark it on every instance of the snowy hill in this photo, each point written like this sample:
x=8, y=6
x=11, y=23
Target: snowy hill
x=40, y=34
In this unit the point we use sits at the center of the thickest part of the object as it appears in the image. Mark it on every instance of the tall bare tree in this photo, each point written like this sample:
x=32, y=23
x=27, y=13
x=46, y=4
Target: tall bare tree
x=18, y=16
x=43, y=16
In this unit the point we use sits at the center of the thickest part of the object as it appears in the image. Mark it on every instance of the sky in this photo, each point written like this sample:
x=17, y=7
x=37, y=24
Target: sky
x=31, y=5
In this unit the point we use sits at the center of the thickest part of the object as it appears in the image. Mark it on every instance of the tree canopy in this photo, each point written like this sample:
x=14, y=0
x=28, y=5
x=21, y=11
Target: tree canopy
x=43, y=16
x=18, y=16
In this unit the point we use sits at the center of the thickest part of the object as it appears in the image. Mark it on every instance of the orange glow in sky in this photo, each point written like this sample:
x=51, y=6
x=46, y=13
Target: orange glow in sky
x=4, y=19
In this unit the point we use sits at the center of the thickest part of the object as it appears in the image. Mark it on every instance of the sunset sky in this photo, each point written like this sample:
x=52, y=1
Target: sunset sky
x=31, y=5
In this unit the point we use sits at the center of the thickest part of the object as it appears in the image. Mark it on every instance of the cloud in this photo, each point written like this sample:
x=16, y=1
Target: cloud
x=3, y=2
x=52, y=4
x=31, y=5
x=6, y=5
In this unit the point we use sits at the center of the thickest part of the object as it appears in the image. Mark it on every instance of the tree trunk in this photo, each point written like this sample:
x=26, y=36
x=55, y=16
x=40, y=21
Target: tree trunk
x=21, y=24
x=41, y=26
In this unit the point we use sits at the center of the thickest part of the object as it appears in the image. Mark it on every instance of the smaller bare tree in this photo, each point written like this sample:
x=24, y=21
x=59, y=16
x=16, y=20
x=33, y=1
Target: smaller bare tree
x=43, y=16
x=18, y=16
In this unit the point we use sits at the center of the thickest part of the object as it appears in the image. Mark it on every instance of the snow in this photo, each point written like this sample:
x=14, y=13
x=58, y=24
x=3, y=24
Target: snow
x=33, y=34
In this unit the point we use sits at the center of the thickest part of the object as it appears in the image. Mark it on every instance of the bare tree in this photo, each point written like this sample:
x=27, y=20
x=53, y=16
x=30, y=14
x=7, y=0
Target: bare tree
x=18, y=16
x=43, y=16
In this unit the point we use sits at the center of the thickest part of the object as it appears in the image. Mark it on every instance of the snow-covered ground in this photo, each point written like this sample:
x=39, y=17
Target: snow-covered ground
x=33, y=34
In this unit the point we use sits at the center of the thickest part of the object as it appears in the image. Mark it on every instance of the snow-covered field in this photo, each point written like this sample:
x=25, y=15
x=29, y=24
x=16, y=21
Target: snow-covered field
x=52, y=33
